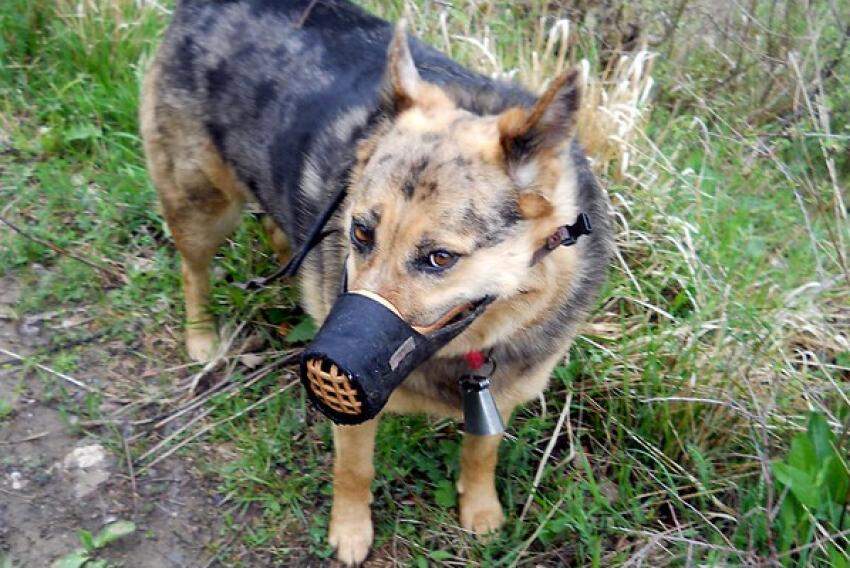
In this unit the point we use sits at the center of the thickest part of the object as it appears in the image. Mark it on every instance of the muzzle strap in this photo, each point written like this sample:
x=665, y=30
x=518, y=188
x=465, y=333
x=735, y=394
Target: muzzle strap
x=316, y=235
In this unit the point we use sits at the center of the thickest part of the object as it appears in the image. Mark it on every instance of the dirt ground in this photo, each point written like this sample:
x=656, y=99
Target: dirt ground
x=55, y=479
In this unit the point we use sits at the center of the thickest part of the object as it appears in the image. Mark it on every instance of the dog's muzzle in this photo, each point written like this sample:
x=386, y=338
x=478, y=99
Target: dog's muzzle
x=364, y=350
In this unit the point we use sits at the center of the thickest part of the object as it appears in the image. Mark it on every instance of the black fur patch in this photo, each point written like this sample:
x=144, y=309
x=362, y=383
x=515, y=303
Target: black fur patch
x=217, y=133
x=264, y=93
x=412, y=179
x=218, y=79
x=489, y=231
x=186, y=52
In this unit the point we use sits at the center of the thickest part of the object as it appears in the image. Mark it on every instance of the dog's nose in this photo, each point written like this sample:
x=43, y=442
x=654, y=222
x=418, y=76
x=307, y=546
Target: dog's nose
x=333, y=386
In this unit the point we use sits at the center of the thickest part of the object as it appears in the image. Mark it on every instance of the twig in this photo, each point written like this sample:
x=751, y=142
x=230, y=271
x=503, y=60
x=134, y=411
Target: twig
x=219, y=356
x=817, y=542
x=206, y=429
x=546, y=454
x=76, y=382
x=56, y=248
x=306, y=14
x=537, y=531
x=223, y=387
x=690, y=541
x=27, y=439
x=130, y=469
x=27, y=498
x=59, y=347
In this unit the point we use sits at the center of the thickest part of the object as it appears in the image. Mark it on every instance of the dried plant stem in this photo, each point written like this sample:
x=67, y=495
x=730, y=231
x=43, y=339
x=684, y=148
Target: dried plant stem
x=67, y=378
x=565, y=412
x=209, y=427
x=56, y=248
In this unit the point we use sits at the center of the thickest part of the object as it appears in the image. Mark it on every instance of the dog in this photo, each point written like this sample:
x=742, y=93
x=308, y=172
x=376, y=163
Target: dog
x=455, y=182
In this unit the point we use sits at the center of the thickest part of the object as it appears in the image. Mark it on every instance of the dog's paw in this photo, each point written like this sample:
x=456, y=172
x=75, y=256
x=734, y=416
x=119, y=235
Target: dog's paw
x=481, y=515
x=351, y=538
x=201, y=344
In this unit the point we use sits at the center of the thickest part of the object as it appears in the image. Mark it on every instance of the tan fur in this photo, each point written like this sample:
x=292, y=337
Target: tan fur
x=480, y=510
x=350, y=530
x=202, y=202
x=277, y=239
x=534, y=206
x=406, y=88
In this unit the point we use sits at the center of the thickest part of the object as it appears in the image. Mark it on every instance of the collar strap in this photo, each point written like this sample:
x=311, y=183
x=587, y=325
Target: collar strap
x=565, y=235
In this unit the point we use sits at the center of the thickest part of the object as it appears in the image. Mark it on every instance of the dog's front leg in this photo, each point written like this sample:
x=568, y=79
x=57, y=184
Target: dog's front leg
x=350, y=530
x=480, y=510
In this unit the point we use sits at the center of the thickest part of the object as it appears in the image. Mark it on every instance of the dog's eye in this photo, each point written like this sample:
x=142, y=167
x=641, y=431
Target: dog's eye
x=362, y=235
x=441, y=260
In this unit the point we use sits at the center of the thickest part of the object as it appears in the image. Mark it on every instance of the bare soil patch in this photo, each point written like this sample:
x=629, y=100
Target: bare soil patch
x=56, y=479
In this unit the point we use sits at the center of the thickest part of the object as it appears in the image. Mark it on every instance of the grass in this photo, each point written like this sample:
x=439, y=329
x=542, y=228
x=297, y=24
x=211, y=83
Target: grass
x=722, y=335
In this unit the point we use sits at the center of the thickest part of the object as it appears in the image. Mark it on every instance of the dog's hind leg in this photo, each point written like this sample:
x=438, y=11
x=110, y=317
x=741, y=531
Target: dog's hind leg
x=200, y=216
x=350, y=530
x=480, y=510
x=202, y=202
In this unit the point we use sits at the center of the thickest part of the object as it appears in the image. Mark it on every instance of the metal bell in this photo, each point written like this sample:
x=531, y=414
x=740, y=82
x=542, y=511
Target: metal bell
x=480, y=415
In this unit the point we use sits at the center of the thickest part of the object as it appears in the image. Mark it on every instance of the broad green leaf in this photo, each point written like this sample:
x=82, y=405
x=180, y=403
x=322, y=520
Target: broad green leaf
x=802, y=454
x=445, y=494
x=788, y=515
x=72, y=560
x=439, y=555
x=100, y=563
x=304, y=331
x=82, y=132
x=821, y=436
x=837, y=559
x=801, y=483
x=834, y=478
x=113, y=532
x=86, y=540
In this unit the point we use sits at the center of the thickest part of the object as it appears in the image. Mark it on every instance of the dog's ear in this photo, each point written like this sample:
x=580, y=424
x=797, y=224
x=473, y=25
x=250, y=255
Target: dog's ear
x=401, y=79
x=532, y=138
x=402, y=86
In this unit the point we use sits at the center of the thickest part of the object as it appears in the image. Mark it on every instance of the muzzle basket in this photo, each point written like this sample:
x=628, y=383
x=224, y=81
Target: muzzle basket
x=333, y=387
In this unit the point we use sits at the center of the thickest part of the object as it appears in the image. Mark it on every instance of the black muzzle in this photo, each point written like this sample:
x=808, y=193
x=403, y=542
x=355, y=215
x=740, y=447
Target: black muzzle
x=364, y=351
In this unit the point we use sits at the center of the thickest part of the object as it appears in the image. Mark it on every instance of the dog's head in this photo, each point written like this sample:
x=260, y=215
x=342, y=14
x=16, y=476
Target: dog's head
x=447, y=207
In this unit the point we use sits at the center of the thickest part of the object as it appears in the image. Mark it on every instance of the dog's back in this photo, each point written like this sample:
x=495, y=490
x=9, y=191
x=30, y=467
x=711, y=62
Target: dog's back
x=283, y=90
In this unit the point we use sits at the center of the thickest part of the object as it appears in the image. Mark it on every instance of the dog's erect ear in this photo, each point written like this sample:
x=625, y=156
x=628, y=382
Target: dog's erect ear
x=401, y=79
x=531, y=137
x=547, y=126
x=402, y=86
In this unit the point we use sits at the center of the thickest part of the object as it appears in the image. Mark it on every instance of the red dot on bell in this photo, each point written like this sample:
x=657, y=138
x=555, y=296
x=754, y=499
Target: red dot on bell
x=475, y=359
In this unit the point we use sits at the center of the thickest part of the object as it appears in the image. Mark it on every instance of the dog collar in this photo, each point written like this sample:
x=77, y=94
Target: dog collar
x=565, y=235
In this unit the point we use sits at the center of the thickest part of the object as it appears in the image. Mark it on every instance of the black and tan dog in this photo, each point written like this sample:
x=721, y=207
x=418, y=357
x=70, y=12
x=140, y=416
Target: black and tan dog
x=455, y=180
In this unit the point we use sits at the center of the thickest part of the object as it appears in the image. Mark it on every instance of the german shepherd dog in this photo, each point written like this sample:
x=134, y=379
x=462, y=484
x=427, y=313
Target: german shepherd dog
x=454, y=181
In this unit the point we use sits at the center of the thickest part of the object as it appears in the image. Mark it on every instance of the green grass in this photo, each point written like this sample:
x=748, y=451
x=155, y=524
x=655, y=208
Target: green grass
x=699, y=367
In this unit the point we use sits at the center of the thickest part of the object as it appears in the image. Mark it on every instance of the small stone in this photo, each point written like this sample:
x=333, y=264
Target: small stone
x=251, y=360
x=88, y=468
x=18, y=481
x=85, y=457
